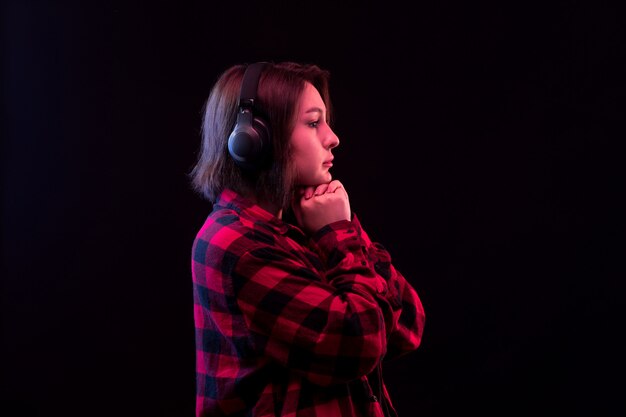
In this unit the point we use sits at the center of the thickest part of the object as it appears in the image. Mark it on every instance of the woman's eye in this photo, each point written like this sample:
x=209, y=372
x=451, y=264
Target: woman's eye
x=314, y=124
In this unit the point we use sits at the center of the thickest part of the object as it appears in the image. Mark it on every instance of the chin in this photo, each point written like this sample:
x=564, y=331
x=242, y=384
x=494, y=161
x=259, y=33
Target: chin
x=315, y=180
x=325, y=178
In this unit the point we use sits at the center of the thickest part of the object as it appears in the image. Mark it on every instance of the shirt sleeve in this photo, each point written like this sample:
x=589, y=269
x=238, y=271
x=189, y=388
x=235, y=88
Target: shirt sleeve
x=405, y=333
x=331, y=330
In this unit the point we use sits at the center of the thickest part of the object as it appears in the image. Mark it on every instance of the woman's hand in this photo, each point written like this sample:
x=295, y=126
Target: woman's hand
x=315, y=207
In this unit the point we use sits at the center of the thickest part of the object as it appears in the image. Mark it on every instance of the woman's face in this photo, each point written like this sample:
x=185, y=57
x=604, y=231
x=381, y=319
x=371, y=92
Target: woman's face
x=312, y=140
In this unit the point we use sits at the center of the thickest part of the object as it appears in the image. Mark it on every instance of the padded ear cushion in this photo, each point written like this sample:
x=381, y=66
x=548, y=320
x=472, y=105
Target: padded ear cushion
x=263, y=131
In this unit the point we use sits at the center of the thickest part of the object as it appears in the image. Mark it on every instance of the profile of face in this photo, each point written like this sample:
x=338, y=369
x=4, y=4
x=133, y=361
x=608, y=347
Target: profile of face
x=312, y=140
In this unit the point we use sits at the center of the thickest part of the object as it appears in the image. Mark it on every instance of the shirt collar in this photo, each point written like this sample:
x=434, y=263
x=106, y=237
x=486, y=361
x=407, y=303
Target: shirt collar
x=253, y=212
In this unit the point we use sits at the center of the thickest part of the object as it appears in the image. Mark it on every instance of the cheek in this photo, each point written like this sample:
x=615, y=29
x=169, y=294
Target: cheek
x=308, y=171
x=302, y=156
x=308, y=167
x=304, y=166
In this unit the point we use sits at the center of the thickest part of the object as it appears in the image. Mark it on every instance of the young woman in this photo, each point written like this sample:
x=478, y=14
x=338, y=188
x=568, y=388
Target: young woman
x=295, y=306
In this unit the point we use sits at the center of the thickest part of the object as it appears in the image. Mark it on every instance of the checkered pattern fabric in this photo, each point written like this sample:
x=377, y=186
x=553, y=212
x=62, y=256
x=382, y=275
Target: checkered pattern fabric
x=290, y=325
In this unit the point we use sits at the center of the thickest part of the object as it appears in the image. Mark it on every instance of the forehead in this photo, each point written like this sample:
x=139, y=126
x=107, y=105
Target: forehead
x=310, y=98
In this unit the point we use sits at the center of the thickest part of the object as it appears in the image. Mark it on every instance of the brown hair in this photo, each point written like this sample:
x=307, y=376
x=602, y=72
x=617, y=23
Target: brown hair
x=280, y=87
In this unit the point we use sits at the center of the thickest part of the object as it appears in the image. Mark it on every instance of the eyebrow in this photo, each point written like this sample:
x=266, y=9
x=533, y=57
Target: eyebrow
x=314, y=109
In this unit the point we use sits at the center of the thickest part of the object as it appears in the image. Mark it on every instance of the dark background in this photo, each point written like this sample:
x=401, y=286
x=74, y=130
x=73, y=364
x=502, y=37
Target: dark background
x=479, y=145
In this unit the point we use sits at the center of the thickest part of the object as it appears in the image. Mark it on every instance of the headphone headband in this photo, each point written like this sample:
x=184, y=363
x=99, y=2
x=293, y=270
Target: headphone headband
x=250, y=84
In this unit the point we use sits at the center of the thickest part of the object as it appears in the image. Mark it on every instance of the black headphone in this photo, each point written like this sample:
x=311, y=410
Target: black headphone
x=249, y=143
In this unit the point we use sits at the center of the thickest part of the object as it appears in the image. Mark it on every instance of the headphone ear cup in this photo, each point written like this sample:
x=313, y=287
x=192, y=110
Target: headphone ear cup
x=249, y=142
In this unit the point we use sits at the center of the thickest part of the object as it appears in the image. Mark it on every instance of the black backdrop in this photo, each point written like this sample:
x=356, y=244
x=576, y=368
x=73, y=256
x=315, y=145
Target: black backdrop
x=478, y=145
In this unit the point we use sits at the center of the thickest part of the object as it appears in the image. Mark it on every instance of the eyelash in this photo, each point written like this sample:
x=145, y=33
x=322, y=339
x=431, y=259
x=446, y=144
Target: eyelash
x=316, y=122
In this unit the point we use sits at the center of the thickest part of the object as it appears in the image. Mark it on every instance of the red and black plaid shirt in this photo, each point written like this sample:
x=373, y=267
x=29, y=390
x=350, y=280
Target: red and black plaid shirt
x=290, y=325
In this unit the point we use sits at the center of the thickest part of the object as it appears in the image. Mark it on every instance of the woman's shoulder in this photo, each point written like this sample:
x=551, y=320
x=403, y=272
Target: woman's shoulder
x=227, y=230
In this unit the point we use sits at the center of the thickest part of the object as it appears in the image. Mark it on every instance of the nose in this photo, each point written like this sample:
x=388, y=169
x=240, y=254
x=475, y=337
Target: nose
x=332, y=140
